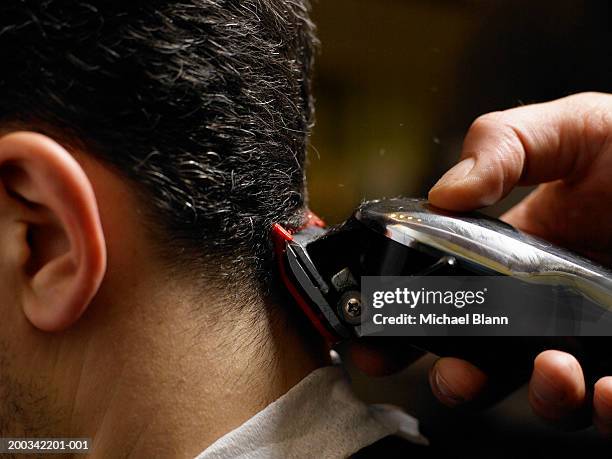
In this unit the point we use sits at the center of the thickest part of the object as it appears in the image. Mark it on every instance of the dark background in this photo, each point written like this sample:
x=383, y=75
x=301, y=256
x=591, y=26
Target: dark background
x=397, y=84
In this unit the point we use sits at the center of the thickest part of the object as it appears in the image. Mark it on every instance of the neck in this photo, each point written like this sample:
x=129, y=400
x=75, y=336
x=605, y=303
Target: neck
x=172, y=384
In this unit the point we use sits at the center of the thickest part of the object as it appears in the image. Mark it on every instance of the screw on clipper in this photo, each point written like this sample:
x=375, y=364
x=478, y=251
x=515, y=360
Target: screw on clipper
x=350, y=307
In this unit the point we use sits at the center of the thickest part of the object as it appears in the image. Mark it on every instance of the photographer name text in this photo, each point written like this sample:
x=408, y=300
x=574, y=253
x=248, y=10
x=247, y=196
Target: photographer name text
x=439, y=319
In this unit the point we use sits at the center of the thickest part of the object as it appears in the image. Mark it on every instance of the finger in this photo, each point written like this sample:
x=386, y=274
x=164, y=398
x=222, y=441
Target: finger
x=567, y=217
x=382, y=356
x=455, y=382
x=533, y=214
x=526, y=145
x=523, y=217
x=557, y=389
x=602, y=406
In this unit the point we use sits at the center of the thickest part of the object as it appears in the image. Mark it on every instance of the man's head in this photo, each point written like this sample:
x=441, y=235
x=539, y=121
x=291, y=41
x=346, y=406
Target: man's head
x=170, y=136
x=204, y=106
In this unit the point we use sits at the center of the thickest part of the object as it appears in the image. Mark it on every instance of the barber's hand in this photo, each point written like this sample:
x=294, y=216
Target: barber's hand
x=566, y=146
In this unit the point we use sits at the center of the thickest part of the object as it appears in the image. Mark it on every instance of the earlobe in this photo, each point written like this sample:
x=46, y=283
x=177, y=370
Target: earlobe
x=63, y=242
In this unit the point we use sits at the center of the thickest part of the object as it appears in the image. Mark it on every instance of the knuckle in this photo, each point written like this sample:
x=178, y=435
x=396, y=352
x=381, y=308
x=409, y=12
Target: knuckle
x=593, y=123
x=487, y=121
x=505, y=152
x=589, y=97
x=595, y=107
x=596, y=127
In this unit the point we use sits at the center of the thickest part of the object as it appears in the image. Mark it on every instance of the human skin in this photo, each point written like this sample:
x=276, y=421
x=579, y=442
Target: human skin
x=564, y=147
x=99, y=339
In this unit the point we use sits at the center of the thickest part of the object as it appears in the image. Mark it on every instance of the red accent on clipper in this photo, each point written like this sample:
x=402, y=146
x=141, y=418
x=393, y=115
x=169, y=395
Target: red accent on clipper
x=313, y=220
x=281, y=237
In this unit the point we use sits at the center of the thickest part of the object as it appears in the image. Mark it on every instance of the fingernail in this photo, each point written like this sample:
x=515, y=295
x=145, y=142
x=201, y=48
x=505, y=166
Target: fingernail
x=443, y=390
x=456, y=174
x=545, y=390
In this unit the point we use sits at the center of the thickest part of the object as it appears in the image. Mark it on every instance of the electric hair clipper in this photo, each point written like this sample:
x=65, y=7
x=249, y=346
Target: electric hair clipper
x=322, y=269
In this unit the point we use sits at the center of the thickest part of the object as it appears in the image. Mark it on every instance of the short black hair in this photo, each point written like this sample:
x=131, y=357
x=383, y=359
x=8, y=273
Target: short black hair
x=205, y=105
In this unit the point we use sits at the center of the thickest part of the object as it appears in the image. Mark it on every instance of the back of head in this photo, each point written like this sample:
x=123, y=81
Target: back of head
x=204, y=106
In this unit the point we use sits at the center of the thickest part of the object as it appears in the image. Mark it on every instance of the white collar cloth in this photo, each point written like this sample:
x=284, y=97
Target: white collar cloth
x=319, y=417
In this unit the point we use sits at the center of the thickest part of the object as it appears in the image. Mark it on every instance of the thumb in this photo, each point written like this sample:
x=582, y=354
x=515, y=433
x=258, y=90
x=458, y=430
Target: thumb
x=526, y=145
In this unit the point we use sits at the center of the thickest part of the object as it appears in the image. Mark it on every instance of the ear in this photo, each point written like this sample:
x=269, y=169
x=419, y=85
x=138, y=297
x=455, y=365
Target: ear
x=51, y=240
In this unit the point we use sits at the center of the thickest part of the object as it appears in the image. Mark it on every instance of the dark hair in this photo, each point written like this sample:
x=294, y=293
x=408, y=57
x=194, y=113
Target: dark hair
x=204, y=104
